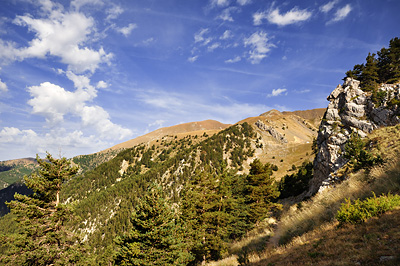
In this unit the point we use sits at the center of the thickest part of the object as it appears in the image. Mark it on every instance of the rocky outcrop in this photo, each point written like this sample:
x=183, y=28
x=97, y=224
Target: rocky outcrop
x=350, y=109
x=275, y=134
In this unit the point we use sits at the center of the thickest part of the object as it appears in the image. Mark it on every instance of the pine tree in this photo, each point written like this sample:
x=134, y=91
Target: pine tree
x=260, y=191
x=157, y=236
x=370, y=77
x=44, y=238
x=206, y=209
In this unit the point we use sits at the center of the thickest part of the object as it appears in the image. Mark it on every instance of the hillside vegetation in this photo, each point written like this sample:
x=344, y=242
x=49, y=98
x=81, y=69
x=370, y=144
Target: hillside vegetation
x=235, y=196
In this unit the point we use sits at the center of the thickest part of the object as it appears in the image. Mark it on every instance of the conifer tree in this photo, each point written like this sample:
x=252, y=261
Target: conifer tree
x=44, y=238
x=260, y=191
x=206, y=210
x=370, y=77
x=157, y=236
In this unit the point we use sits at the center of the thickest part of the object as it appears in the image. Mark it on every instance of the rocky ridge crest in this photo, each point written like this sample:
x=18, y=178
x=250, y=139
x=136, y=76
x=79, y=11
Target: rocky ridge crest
x=350, y=110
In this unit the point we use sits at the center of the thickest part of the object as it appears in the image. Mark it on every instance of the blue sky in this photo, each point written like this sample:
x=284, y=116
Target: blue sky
x=80, y=76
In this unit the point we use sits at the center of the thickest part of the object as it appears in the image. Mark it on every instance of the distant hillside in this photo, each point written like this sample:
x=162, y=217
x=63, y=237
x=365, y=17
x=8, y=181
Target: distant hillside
x=181, y=130
x=12, y=171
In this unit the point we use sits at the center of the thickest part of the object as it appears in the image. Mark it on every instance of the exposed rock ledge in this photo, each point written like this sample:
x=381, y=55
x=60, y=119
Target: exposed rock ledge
x=350, y=109
x=275, y=134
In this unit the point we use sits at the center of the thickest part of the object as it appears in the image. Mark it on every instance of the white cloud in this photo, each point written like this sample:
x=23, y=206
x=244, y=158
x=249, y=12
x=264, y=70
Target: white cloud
x=101, y=84
x=328, y=6
x=243, y=2
x=200, y=38
x=28, y=142
x=213, y=46
x=274, y=16
x=3, y=86
x=233, y=60
x=114, y=12
x=148, y=41
x=341, y=13
x=219, y=3
x=62, y=35
x=54, y=102
x=276, y=92
x=226, y=35
x=159, y=123
x=259, y=42
x=226, y=14
x=193, y=58
x=128, y=29
x=77, y=4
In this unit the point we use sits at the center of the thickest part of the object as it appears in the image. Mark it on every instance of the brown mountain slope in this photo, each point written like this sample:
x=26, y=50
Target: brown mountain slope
x=285, y=139
x=193, y=128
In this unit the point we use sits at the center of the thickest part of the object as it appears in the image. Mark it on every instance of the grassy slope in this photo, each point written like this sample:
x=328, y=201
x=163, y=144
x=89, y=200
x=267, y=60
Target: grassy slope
x=309, y=230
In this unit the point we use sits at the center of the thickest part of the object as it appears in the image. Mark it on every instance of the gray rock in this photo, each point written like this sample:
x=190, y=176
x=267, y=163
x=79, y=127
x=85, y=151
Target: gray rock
x=350, y=110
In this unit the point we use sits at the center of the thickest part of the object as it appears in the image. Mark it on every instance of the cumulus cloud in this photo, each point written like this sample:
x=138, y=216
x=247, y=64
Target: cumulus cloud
x=233, y=60
x=328, y=6
x=54, y=102
x=28, y=142
x=3, y=86
x=62, y=35
x=128, y=29
x=274, y=16
x=101, y=84
x=260, y=46
x=276, y=92
x=341, y=13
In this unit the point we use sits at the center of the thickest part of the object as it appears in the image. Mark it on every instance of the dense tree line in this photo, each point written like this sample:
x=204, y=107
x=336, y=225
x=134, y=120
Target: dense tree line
x=383, y=67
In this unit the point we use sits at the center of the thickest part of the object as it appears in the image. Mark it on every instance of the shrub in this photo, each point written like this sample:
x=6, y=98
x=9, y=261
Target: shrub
x=359, y=211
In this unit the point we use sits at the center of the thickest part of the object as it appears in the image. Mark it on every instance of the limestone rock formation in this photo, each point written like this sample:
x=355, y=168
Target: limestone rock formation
x=275, y=134
x=350, y=109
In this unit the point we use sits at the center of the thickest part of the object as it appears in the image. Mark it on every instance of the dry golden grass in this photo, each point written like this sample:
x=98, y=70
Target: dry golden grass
x=377, y=242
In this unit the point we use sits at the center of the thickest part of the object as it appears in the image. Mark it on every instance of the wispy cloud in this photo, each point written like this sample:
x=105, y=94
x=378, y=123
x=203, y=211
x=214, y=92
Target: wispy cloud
x=128, y=29
x=233, y=60
x=328, y=6
x=295, y=15
x=243, y=2
x=77, y=4
x=226, y=35
x=226, y=14
x=260, y=44
x=114, y=12
x=199, y=37
x=219, y=3
x=213, y=46
x=277, y=92
x=341, y=13
x=193, y=58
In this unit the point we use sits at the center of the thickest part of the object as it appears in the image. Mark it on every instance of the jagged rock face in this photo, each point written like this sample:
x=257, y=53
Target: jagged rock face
x=350, y=109
x=275, y=134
